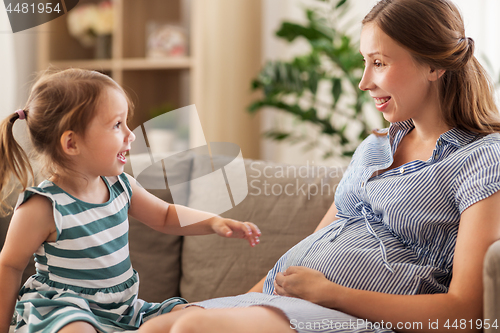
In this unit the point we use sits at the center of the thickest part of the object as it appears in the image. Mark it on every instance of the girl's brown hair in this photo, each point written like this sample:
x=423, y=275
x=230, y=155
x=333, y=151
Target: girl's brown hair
x=59, y=101
x=433, y=32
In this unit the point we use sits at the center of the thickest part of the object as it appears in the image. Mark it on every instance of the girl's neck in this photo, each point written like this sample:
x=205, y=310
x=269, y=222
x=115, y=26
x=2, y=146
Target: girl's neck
x=91, y=190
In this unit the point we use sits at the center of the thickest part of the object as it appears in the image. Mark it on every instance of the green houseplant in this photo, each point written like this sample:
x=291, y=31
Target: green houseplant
x=292, y=86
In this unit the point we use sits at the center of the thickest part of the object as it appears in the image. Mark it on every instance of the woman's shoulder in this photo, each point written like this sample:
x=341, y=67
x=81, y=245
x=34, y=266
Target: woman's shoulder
x=479, y=155
x=484, y=144
x=492, y=139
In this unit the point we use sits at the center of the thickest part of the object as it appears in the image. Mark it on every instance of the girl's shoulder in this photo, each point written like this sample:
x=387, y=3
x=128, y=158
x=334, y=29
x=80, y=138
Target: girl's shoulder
x=45, y=188
x=120, y=183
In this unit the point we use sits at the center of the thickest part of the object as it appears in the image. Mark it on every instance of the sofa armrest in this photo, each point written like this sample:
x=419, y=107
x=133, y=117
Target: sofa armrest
x=491, y=281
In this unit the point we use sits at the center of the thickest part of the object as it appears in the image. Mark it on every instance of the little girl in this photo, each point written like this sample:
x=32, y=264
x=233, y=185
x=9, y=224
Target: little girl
x=76, y=221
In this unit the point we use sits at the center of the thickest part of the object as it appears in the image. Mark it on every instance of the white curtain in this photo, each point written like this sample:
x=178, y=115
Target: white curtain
x=8, y=80
x=482, y=24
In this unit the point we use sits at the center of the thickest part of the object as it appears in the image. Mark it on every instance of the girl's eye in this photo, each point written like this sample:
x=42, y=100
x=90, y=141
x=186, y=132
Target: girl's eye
x=377, y=63
x=117, y=125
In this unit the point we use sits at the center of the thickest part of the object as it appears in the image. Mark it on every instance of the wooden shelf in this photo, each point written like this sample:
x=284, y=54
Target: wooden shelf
x=101, y=65
x=155, y=63
x=127, y=64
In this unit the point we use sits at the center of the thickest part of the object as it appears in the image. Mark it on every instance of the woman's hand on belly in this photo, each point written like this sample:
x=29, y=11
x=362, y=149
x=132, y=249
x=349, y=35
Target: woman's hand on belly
x=305, y=283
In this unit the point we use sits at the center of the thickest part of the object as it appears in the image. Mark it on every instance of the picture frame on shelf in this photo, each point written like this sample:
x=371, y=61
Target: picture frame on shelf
x=164, y=40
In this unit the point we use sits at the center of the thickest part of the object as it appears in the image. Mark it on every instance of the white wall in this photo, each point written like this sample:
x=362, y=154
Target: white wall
x=17, y=69
x=481, y=23
x=7, y=64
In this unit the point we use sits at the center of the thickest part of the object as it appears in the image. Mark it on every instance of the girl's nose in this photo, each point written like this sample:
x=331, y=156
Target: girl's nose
x=131, y=136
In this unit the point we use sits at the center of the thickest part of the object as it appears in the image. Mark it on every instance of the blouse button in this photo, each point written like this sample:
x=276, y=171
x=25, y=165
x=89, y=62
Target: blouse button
x=440, y=142
x=402, y=170
x=362, y=184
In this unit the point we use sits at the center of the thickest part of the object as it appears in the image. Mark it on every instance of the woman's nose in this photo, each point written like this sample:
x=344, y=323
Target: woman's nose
x=366, y=82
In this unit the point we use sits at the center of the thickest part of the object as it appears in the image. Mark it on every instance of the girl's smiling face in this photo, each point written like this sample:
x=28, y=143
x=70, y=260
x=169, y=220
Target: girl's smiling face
x=400, y=87
x=107, y=138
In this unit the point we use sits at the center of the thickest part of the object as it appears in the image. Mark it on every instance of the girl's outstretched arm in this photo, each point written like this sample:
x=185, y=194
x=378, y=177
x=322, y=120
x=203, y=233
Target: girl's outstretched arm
x=462, y=305
x=163, y=217
x=32, y=223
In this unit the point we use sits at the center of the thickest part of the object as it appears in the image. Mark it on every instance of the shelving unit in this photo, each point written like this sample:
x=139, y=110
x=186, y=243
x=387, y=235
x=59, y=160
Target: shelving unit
x=151, y=82
x=223, y=56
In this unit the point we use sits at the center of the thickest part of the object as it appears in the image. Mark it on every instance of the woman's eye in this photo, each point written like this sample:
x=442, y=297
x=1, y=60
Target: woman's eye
x=377, y=63
x=117, y=125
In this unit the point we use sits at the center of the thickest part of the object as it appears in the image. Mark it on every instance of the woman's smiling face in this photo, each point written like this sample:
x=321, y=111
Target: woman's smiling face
x=400, y=87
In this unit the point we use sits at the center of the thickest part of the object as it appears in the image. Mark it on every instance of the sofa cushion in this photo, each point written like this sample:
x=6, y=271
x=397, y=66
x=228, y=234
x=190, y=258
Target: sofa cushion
x=285, y=202
x=491, y=284
x=156, y=256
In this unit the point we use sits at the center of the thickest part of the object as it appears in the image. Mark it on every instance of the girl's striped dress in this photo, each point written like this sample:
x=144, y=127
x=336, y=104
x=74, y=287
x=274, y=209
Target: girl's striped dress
x=395, y=232
x=86, y=274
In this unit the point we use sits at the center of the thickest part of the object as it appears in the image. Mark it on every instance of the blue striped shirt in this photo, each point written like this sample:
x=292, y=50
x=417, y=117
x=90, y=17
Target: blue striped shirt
x=396, y=232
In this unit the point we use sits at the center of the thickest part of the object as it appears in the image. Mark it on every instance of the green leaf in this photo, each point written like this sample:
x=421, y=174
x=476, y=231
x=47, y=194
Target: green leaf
x=290, y=31
x=255, y=106
x=348, y=153
x=313, y=81
x=340, y=3
x=336, y=89
x=277, y=135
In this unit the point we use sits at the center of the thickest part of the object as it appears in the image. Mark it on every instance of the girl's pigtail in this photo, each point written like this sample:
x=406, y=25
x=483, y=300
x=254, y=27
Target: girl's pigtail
x=13, y=162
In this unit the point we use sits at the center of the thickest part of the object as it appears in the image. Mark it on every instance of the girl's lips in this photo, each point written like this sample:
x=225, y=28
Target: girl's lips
x=121, y=156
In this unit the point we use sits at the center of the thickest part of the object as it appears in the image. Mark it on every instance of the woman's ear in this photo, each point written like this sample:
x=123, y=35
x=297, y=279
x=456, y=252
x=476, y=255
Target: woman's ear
x=435, y=74
x=69, y=143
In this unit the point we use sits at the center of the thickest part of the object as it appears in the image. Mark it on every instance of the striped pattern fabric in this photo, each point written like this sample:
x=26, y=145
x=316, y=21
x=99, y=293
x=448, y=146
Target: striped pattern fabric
x=86, y=274
x=395, y=232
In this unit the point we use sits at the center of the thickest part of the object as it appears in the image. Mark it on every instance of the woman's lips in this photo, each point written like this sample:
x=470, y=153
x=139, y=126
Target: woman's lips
x=381, y=102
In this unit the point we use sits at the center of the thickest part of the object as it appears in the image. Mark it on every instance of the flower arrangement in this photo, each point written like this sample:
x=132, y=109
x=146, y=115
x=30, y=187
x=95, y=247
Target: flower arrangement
x=88, y=21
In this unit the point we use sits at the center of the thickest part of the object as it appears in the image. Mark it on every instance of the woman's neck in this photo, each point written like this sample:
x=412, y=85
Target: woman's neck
x=430, y=124
x=428, y=130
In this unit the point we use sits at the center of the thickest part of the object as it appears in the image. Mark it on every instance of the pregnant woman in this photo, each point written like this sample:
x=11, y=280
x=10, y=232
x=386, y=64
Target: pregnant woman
x=402, y=247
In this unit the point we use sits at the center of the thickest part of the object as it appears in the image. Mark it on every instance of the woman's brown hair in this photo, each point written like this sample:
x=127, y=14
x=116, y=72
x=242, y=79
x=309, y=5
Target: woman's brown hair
x=59, y=101
x=433, y=32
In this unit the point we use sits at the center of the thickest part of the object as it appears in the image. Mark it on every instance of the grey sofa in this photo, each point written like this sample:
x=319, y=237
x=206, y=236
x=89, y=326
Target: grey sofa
x=286, y=202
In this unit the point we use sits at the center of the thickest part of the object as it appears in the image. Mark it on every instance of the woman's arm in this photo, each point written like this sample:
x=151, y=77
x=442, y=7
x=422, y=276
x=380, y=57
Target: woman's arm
x=326, y=220
x=163, y=217
x=31, y=224
x=259, y=286
x=479, y=228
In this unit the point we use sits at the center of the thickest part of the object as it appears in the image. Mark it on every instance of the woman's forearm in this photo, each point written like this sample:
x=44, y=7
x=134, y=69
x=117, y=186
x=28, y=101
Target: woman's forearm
x=407, y=313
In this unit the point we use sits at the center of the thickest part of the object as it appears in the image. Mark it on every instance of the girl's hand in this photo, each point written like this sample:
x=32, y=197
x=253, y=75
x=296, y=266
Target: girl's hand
x=235, y=229
x=302, y=282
